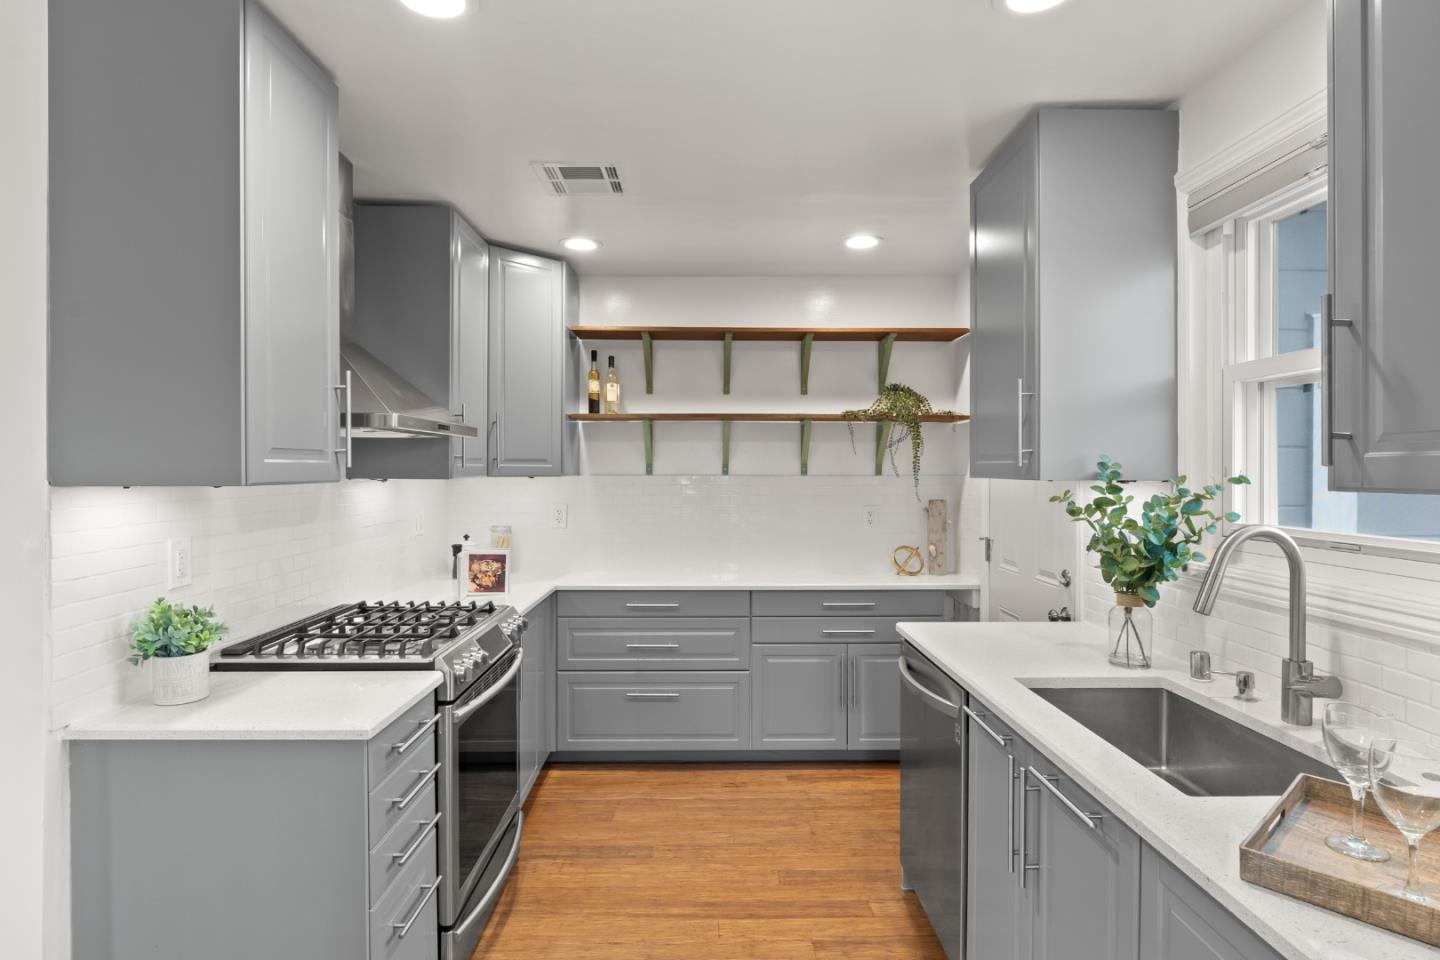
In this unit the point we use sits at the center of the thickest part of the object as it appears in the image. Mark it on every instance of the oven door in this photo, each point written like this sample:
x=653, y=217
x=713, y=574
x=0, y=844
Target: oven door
x=479, y=782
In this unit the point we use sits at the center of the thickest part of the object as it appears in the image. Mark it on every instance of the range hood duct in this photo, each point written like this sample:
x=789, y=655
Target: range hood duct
x=383, y=404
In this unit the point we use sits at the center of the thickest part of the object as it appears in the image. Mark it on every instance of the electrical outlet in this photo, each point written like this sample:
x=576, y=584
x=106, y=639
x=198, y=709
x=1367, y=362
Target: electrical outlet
x=559, y=516
x=177, y=571
x=869, y=517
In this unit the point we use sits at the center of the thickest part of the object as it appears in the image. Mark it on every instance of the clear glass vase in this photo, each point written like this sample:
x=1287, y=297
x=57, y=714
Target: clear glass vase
x=1131, y=629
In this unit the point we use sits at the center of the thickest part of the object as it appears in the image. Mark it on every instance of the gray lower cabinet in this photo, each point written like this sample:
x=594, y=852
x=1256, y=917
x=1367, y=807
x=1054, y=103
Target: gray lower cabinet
x=993, y=764
x=534, y=366
x=874, y=683
x=635, y=711
x=800, y=700
x=537, y=694
x=1179, y=921
x=194, y=262
x=293, y=848
x=1380, y=397
x=630, y=643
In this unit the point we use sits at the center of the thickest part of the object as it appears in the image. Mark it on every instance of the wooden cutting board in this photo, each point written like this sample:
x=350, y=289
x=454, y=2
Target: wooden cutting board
x=1287, y=853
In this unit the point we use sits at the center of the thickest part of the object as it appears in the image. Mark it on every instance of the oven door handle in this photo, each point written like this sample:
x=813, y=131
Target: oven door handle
x=463, y=713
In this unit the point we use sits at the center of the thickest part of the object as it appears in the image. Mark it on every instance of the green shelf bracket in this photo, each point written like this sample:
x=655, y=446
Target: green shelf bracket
x=805, y=447
x=649, y=426
x=886, y=345
x=729, y=350
x=725, y=448
x=882, y=437
x=806, y=343
x=649, y=345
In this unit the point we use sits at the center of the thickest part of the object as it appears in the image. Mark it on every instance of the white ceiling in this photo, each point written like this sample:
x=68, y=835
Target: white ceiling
x=754, y=135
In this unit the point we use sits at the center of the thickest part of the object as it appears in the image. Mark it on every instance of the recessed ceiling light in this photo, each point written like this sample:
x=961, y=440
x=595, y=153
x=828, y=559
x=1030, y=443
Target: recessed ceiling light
x=439, y=9
x=1031, y=6
x=581, y=244
x=862, y=241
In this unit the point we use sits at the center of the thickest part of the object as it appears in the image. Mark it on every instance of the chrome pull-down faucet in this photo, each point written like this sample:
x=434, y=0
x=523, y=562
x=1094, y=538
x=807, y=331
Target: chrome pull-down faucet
x=1300, y=684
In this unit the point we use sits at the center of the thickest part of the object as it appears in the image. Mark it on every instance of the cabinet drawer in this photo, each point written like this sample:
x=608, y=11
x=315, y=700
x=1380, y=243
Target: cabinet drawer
x=654, y=603
x=403, y=845
x=654, y=711
x=906, y=604
x=406, y=794
x=403, y=740
x=600, y=643
x=829, y=629
x=411, y=900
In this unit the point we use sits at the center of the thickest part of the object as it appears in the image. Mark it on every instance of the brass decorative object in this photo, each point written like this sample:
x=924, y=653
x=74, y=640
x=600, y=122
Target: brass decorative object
x=908, y=561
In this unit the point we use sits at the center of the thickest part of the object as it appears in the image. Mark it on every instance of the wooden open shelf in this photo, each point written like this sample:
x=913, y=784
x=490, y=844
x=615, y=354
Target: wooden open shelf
x=774, y=334
x=751, y=417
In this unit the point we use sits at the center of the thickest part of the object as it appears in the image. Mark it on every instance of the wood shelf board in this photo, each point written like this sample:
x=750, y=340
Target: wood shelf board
x=775, y=334
x=746, y=417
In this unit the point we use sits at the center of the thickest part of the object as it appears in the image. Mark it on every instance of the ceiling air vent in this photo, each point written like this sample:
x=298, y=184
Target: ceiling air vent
x=580, y=179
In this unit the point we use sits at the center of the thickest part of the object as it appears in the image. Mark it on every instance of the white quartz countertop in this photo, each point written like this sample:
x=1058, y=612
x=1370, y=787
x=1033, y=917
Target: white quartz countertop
x=999, y=663
x=271, y=705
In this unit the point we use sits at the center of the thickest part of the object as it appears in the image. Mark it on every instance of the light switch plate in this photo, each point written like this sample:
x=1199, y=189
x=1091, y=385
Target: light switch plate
x=178, y=563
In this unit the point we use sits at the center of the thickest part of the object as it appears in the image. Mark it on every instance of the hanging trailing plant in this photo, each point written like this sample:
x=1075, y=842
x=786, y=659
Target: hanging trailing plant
x=905, y=407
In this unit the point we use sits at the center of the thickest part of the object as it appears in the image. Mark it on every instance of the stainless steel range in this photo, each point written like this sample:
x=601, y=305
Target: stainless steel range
x=477, y=649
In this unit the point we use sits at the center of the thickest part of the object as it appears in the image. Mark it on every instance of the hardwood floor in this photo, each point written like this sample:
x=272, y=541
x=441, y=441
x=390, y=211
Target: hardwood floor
x=711, y=862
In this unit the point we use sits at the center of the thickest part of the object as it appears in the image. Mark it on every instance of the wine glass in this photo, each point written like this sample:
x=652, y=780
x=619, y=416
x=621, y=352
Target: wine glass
x=1406, y=777
x=1349, y=729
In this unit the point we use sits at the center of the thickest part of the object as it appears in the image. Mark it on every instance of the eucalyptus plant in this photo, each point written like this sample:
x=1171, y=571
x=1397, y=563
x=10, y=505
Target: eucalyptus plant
x=1138, y=554
x=905, y=407
x=174, y=630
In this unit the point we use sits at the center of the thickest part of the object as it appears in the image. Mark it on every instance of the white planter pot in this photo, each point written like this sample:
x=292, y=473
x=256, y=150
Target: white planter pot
x=176, y=680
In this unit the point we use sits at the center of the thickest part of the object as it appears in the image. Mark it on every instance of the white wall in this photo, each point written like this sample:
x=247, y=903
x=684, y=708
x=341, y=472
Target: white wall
x=30, y=800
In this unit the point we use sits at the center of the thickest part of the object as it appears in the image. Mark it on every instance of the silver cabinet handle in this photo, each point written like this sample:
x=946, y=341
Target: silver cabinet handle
x=404, y=856
x=405, y=925
x=637, y=695
x=652, y=646
x=414, y=738
x=979, y=719
x=349, y=448
x=846, y=604
x=853, y=668
x=420, y=785
x=652, y=606
x=492, y=440
x=948, y=708
x=1020, y=449
x=461, y=457
x=1025, y=791
x=836, y=632
x=844, y=679
x=1010, y=814
x=494, y=691
x=1328, y=433
x=1091, y=820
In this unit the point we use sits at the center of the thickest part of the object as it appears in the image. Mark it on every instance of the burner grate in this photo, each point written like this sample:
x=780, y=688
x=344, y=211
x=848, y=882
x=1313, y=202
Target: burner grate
x=367, y=631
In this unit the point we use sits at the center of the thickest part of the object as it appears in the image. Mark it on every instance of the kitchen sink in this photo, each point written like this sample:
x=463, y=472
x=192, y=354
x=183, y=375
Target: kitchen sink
x=1195, y=750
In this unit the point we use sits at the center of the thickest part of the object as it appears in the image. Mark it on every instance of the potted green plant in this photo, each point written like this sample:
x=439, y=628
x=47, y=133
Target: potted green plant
x=1139, y=554
x=176, y=637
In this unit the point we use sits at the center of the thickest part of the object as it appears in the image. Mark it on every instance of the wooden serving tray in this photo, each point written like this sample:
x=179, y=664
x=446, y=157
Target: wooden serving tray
x=1288, y=854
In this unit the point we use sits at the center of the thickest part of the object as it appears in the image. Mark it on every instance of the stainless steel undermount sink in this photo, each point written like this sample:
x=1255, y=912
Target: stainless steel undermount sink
x=1196, y=750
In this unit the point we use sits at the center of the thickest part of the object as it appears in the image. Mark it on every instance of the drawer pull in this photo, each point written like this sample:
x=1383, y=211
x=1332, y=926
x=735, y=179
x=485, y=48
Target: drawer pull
x=415, y=737
x=1091, y=820
x=652, y=606
x=652, y=646
x=420, y=785
x=979, y=719
x=835, y=632
x=405, y=925
x=404, y=856
x=846, y=604
x=635, y=695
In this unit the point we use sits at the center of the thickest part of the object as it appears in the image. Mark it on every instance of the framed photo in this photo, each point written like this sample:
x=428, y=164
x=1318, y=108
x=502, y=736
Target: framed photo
x=485, y=573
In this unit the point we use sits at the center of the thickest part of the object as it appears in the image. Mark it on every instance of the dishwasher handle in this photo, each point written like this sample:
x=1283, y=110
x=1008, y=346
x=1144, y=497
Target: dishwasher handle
x=945, y=706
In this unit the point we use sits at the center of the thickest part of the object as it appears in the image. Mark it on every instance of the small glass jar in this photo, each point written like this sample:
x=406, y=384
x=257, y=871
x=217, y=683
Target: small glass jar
x=1131, y=630
x=500, y=537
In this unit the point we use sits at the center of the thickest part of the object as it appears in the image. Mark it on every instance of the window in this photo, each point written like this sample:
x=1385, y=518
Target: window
x=1276, y=269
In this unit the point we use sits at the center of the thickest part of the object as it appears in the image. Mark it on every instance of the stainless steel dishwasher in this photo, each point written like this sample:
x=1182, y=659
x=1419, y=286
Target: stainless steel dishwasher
x=932, y=796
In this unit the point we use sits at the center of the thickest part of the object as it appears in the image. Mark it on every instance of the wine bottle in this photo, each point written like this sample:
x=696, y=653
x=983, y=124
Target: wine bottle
x=612, y=389
x=592, y=384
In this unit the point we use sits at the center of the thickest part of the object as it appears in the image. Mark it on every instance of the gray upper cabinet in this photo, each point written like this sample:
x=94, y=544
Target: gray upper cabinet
x=1380, y=394
x=422, y=277
x=194, y=230
x=800, y=696
x=1073, y=263
x=1179, y=921
x=534, y=366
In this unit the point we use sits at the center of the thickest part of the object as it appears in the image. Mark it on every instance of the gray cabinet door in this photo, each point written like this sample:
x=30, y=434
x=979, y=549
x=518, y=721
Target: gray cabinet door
x=874, y=682
x=1003, y=412
x=694, y=710
x=527, y=354
x=292, y=263
x=800, y=696
x=537, y=684
x=1380, y=347
x=1082, y=873
x=1179, y=921
x=993, y=880
x=471, y=379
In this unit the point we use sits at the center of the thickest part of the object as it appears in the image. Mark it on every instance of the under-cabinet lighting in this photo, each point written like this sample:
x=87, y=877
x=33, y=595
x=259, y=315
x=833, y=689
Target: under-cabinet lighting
x=439, y=9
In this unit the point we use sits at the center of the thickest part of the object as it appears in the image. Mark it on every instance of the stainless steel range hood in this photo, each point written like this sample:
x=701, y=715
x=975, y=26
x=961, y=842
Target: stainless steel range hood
x=382, y=404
